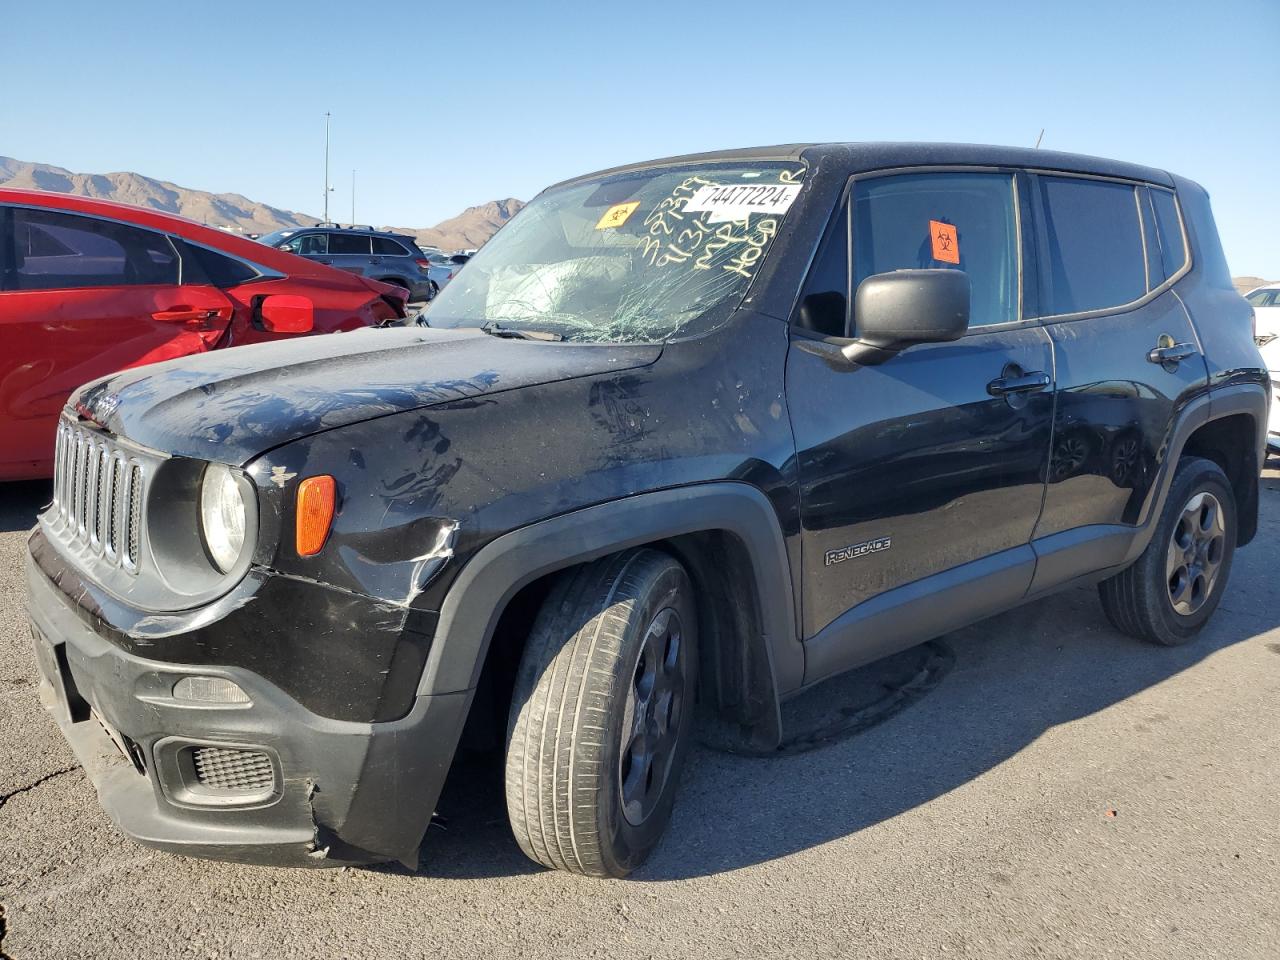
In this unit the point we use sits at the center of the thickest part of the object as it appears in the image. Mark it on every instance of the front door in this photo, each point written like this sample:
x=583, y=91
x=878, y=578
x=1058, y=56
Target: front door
x=921, y=478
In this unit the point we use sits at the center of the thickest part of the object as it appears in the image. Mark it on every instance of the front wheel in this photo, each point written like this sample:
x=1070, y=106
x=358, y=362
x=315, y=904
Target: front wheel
x=600, y=714
x=1172, y=589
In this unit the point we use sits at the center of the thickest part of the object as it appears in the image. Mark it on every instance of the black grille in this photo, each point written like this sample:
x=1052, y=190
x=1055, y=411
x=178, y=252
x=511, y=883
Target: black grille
x=135, y=512
x=240, y=771
x=97, y=493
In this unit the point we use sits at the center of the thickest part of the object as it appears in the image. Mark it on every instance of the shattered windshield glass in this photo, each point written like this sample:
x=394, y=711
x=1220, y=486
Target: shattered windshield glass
x=643, y=256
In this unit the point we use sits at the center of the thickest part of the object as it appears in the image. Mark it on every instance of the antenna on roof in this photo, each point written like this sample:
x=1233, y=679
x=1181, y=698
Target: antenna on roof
x=1039, y=138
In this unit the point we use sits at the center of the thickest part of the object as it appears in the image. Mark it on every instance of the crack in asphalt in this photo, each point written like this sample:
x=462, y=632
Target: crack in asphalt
x=6, y=797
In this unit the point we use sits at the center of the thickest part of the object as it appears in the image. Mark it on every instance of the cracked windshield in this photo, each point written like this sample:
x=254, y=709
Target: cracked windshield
x=650, y=255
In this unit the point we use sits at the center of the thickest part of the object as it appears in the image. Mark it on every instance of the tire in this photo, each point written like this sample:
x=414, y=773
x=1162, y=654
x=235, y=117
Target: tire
x=1156, y=599
x=578, y=794
x=433, y=290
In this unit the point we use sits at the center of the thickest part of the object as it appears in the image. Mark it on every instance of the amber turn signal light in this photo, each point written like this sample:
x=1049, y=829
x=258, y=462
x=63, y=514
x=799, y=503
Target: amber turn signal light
x=316, y=496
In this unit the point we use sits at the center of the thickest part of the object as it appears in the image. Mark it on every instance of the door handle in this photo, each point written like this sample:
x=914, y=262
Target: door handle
x=323, y=260
x=1172, y=353
x=1026, y=383
x=375, y=259
x=184, y=315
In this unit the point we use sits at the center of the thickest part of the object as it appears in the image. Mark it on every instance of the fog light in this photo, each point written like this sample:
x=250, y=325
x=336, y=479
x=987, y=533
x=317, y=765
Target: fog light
x=209, y=690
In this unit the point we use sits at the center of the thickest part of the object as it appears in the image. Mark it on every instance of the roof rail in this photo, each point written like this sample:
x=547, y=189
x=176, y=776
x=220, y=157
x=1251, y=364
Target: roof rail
x=360, y=226
x=328, y=223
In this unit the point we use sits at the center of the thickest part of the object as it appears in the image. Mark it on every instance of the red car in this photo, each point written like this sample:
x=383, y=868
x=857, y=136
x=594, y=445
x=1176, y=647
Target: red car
x=88, y=287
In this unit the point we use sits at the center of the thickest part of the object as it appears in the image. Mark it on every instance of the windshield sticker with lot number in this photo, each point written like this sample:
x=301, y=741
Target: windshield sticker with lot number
x=946, y=245
x=683, y=230
x=738, y=201
x=617, y=215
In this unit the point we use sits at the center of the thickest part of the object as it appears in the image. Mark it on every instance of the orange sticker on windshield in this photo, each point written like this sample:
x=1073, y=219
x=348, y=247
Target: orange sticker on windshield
x=617, y=215
x=946, y=245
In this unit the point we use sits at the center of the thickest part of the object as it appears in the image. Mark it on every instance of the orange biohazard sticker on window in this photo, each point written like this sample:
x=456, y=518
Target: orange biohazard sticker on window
x=946, y=246
x=617, y=215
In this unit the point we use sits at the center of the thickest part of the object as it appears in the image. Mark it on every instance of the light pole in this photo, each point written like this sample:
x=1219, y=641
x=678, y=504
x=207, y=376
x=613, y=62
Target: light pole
x=353, y=198
x=327, y=187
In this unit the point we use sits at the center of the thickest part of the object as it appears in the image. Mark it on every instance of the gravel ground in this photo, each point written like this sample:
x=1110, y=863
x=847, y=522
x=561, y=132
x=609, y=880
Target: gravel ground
x=1063, y=792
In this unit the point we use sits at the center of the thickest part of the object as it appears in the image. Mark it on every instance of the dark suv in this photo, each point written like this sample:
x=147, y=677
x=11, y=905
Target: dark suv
x=709, y=429
x=390, y=257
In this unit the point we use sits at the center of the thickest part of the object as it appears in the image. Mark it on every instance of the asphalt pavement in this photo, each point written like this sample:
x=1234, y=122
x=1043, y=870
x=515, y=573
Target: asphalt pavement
x=1059, y=791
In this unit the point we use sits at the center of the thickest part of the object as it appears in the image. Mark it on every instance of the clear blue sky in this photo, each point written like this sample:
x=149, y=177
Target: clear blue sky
x=440, y=105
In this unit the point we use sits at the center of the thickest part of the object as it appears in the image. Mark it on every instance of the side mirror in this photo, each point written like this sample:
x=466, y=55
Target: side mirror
x=895, y=310
x=287, y=313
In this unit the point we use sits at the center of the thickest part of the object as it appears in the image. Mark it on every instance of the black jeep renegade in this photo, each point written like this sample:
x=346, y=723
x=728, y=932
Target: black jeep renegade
x=709, y=429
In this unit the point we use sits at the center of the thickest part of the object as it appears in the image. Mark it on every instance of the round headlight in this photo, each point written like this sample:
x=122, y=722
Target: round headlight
x=222, y=516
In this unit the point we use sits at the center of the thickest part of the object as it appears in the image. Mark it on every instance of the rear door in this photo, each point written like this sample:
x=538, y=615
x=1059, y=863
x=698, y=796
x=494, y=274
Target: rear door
x=391, y=258
x=1127, y=359
x=352, y=252
x=921, y=478
x=81, y=297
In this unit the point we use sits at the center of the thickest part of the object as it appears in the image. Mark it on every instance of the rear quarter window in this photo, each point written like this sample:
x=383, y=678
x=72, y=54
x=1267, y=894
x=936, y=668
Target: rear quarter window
x=222, y=271
x=1173, y=247
x=386, y=247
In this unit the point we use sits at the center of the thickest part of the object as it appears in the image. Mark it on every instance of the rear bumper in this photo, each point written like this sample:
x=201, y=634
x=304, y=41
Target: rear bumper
x=341, y=791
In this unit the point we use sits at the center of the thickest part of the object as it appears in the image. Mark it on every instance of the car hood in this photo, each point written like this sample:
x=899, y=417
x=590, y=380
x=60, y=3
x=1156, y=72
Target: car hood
x=232, y=405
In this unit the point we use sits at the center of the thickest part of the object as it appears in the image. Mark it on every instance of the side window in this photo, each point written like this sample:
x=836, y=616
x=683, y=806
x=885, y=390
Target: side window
x=386, y=247
x=1263, y=298
x=1094, y=257
x=956, y=221
x=60, y=251
x=824, y=302
x=221, y=270
x=347, y=243
x=308, y=245
x=1173, y=250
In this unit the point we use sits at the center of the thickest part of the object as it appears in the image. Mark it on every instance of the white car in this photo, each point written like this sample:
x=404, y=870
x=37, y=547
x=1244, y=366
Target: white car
x=1265, y=301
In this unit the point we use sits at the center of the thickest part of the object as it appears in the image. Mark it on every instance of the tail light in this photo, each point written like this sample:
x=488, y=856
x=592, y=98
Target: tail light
x=450, y=276
x=423, y=265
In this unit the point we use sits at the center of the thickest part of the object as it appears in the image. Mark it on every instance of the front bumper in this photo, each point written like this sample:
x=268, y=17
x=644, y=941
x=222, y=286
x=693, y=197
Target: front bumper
x=342, y=792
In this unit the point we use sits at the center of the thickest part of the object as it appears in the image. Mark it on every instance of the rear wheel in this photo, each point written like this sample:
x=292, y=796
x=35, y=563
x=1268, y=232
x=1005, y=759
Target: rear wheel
x=1168, y=595
x=600, y=715
x=395, y=282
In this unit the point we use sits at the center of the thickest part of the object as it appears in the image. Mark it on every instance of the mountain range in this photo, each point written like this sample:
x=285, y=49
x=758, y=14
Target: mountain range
x=469, y=229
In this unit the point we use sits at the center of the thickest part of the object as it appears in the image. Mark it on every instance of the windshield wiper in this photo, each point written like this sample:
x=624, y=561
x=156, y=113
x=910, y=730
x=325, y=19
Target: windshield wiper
x=495, y=329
